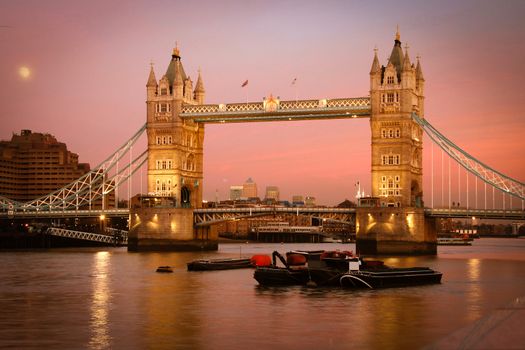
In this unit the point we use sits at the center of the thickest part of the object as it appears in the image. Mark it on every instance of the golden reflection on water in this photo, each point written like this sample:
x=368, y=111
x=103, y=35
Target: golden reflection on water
x=474, y=294
x=99, y=322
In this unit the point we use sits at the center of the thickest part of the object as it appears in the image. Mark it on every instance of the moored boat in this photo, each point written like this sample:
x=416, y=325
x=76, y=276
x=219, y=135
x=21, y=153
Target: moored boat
x=219, y=264
x=164, y=269
x=391, y=277
x=297, y=266
x=454, y=241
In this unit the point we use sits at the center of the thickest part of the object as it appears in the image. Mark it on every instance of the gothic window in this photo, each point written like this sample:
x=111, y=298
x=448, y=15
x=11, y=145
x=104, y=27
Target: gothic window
x=390, y=97
x=390, y=80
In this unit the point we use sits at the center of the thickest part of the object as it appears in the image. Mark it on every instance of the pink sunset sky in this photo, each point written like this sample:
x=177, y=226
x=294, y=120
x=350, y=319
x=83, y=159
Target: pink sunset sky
x=89, y=63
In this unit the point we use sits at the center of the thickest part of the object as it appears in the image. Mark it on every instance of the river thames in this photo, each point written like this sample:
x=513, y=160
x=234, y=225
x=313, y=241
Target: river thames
x=101, y=298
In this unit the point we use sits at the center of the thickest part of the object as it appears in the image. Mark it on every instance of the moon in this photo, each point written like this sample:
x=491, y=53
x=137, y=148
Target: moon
x=24, y=72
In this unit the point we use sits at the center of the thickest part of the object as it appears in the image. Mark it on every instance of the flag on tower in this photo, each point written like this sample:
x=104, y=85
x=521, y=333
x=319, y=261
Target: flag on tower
x=245, y=83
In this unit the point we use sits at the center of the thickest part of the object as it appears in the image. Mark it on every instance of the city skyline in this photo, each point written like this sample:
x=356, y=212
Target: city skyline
x=78, y=72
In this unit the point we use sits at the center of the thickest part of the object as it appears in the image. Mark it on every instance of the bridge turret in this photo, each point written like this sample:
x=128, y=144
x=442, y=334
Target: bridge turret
x=151, y=85
x=199, y=92
x=420, y=87
x=375, y=72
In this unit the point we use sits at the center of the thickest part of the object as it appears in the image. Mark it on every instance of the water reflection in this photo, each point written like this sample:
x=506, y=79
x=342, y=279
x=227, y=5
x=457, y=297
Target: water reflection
x=100, y=338
x=474, y=289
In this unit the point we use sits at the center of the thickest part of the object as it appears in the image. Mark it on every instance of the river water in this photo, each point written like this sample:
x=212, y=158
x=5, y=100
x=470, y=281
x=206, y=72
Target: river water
x=101, y=298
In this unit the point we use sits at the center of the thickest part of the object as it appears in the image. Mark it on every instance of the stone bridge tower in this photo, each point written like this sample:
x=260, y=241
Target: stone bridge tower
x=397, y=91
x=396, y=224
x=163, y=219
x=175, y=146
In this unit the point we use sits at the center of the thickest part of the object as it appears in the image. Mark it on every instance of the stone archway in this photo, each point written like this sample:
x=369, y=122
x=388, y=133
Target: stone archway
x=416, y=195
x=185, y=197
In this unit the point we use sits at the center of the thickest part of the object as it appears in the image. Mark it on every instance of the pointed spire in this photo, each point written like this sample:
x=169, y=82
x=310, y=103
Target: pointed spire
x=407, y=65
x=176, y=51
x=199, y=87
x=178, y=76
x=419, y=71
x=152, y=81
x=396, y=57
x=375, y=63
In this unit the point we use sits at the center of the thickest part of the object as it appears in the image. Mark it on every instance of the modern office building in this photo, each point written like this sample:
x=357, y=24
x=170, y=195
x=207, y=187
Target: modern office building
x=36, y=164
x=272, y=193
x=309, y=201
x=235, y=193
x=249, y=189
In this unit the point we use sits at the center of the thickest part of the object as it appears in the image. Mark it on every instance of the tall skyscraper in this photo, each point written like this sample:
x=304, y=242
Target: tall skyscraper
x=249, y=189
x=235, y=193
x=272, y=192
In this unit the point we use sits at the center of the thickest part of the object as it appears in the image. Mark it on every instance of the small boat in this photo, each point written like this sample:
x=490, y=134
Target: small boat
x=219, y=264
x=164, y=269
x=454, y=241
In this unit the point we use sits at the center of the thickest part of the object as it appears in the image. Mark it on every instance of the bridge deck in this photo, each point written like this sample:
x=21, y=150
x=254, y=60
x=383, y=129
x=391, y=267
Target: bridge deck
x=275, y=110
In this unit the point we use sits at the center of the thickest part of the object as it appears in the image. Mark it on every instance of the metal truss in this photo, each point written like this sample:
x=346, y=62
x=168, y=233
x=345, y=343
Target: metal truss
x=116, y=238
x=471, y=164
x=203, y=217
x=90, y=187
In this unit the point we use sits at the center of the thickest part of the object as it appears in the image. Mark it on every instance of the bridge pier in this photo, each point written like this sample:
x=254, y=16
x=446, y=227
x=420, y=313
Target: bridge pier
x=157, y=226
x=395, y=231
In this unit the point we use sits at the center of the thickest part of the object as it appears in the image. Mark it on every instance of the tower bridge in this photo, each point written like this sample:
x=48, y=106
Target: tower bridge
x=171, y=215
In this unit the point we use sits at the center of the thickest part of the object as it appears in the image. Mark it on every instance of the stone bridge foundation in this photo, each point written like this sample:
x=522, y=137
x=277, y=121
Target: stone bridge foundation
x=395, y=231
x=167, y=229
